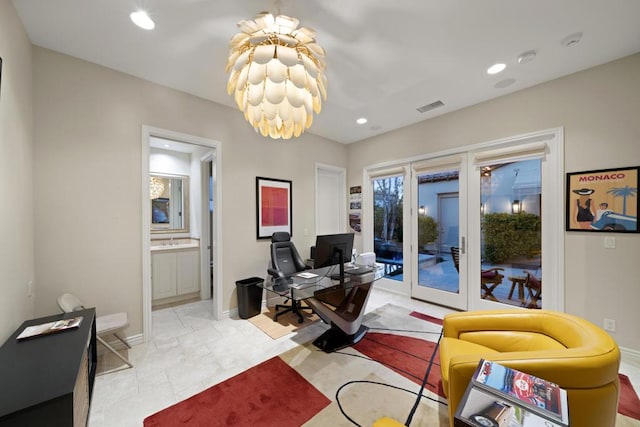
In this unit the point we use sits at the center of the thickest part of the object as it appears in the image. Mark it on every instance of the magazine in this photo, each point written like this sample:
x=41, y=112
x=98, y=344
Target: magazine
x=485, y=409
x=50, y=327
x=535, y=393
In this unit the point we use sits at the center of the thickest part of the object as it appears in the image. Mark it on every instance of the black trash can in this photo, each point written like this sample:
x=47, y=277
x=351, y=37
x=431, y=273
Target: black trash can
x=249, y=297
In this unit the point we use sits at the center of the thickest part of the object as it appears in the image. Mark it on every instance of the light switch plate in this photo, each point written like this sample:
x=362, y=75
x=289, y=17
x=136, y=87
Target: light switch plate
x=610, y=242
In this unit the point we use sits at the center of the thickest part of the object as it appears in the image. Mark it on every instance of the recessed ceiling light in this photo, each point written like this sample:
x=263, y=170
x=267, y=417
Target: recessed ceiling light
x=166, y=146
x=571, y=39
x=504, y=83
x=142, y=20
x=496, y=68
x=527, y=56
x=361, y=120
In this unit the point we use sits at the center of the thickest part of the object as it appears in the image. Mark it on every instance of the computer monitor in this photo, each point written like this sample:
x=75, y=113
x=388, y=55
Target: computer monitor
x=333, y=249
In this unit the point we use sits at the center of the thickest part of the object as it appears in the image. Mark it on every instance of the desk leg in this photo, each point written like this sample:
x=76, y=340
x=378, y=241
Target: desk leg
x=334, y=339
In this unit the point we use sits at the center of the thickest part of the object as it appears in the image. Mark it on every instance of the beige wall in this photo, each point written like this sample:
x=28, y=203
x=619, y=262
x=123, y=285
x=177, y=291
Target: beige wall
x=16, y=161
x=87, y=167
x=88, y=181
x=600, y=111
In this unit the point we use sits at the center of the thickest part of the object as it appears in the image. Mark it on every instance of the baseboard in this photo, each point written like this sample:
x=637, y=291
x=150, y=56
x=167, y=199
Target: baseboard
x=630, y=356
x=135, y=339
x=233, y=313
x=132, y=340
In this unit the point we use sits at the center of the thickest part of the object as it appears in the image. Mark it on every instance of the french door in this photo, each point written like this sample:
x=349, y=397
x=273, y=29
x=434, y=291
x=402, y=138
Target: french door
x=473, y=233
x=439, y=194
x=387, y=190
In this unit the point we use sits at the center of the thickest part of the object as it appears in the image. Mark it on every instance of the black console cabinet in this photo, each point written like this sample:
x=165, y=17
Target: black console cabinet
x=48, y=380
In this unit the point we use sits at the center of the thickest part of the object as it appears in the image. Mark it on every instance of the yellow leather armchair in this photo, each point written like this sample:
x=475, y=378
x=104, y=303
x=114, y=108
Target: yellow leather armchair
x=567, y=350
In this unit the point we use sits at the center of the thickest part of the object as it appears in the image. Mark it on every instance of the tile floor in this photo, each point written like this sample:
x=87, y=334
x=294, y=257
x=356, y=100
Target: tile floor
x=190, y=352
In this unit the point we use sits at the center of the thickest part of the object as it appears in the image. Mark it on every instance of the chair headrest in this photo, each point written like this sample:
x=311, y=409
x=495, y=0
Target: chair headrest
x=280, y=236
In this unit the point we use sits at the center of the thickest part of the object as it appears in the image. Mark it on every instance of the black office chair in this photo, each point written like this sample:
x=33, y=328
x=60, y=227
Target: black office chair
x=285, y=262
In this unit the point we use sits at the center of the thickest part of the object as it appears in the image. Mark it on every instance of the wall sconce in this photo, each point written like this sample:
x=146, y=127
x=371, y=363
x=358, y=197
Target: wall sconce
x=422, y=210
x=516, y=206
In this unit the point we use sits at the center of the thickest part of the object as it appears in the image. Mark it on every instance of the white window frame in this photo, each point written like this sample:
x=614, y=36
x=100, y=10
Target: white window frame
x=553, y=184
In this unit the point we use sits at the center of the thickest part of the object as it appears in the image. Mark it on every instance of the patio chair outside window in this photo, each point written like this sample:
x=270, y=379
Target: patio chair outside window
x=489, y=278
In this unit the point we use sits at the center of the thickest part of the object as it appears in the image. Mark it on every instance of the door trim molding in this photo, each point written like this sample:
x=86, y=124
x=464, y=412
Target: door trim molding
x=146, y=133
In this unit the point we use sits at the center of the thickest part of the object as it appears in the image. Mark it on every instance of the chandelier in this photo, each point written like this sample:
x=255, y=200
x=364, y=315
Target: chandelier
x=156, y=187
x=277, y=75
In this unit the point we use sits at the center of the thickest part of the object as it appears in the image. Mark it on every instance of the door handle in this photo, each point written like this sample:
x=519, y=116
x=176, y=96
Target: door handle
x=463, y=244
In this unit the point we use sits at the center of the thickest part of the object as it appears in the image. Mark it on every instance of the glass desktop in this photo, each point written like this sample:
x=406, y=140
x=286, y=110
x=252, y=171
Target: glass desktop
x=301, y=286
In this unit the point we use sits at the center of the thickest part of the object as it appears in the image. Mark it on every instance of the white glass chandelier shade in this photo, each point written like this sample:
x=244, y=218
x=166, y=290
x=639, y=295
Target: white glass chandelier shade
x=156, y=187
x=277, y=75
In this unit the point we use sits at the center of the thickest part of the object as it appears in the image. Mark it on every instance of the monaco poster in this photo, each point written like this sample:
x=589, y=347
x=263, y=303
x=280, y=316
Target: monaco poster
x=603, y=200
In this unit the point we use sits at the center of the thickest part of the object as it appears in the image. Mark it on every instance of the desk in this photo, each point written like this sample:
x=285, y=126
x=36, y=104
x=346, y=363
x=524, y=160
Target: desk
x=321, y=286
x=339, y=303
x=48, y=380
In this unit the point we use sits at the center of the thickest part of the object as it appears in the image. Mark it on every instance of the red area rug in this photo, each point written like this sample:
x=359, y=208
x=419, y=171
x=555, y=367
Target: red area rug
x=426, y=317
x=269, y=394
x=406, y=355
x=274, y=394
x=628, y=404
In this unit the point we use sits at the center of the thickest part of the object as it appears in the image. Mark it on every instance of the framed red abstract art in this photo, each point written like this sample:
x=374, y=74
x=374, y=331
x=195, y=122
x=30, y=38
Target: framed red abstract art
x=273, y=207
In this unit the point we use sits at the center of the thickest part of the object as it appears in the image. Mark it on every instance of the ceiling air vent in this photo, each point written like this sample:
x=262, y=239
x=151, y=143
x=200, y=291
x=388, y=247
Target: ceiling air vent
x=431, y=106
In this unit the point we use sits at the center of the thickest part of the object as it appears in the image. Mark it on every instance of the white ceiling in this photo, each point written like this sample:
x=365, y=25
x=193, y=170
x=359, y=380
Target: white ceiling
x=384, y=58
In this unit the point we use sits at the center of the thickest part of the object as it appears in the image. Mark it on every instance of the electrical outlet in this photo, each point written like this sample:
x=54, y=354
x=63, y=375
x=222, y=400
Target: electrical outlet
x=30, y=288
x=609, y=325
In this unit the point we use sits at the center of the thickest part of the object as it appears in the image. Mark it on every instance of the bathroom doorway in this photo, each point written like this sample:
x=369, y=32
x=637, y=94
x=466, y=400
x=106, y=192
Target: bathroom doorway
x=181, y=221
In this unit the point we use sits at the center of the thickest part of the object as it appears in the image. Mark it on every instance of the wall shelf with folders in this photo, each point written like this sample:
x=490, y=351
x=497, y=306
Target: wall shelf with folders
x=48, y=380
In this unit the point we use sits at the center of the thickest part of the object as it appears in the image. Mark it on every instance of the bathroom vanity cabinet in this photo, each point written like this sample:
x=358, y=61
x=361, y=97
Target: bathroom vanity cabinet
x=175, y=272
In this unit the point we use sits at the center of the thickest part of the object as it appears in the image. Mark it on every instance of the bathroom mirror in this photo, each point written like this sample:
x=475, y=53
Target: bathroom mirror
x=169, y=196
